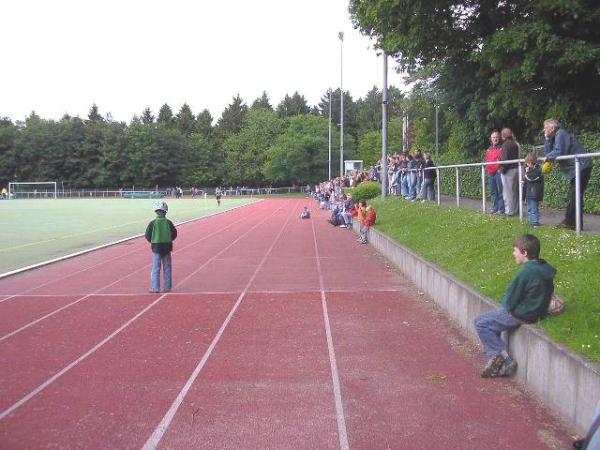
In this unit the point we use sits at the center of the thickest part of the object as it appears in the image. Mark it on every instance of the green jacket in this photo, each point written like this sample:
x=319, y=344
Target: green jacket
x=161, y=233
x=529, y=293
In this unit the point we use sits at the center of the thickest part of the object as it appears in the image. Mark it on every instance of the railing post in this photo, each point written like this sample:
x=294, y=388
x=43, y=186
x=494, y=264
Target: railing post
x=439, y=183
x=483, y=205
x=520, y=184
x=578, y=212
x=457, y=187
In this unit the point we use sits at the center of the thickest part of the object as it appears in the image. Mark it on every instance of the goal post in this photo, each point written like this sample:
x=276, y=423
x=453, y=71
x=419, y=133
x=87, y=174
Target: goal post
x=32, y=189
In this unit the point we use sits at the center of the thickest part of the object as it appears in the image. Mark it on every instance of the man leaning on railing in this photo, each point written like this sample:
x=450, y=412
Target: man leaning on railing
x=561, y=143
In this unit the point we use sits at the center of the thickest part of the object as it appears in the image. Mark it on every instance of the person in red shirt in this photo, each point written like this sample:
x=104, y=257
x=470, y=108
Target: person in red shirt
x=370, y=217
x=492, y=155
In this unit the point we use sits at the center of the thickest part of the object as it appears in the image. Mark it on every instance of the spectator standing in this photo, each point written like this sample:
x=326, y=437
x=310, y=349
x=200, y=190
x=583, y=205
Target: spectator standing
x=525, y=301
x=418, y=164
x=534, y=188
x=361, y=212
x=510, y=173
x=560, y=143
x=370, y=217
x=161, y=233
x=493, y=154
x=429, y=177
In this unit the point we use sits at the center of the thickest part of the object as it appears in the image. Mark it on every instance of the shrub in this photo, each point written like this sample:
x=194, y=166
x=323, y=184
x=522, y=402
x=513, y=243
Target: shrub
x=366, y=191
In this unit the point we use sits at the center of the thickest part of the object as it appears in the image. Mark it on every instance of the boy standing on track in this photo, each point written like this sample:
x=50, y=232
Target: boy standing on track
x=525, y=301
x=161, y=233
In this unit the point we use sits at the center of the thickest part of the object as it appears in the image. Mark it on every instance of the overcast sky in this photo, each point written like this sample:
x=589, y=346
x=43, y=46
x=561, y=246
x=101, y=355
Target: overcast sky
x=61, y=56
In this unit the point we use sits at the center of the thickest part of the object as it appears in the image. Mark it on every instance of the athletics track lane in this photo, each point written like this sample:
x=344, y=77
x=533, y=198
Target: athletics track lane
x=390, y=393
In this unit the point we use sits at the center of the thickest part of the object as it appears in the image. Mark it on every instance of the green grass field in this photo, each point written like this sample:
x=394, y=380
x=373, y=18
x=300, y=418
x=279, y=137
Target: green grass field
x=40, y=230
x=477, y=248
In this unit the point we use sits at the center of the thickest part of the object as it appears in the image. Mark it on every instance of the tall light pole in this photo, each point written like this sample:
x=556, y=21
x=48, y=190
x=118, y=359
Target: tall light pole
x=341, y=36
x=437, y=139
x=384, y=131
x=329, y=134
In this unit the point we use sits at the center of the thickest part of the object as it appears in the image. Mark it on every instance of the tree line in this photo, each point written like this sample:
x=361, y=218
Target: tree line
x=251, y=145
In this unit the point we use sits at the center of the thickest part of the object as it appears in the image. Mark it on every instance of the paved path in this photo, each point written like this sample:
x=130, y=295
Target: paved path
x=591, y=222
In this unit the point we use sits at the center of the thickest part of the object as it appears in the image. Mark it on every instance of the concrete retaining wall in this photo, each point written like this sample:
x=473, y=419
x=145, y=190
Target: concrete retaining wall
x=565, y=381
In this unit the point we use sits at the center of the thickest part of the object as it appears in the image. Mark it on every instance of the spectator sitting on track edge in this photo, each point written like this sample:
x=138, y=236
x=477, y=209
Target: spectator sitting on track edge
x=525, y=301
x=161, y=233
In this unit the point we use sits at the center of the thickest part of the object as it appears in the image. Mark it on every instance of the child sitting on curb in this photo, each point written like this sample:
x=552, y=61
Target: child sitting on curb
x=525, y=301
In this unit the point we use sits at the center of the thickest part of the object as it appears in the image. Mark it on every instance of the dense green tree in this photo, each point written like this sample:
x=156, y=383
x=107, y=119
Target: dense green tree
x=511, y=62
x=369, y=147
x=300, y=154
x=8, y=154
x=350, y=124
x=204, y=123
x=246, y=150
x=147, y=116
x=112, y=156
x=185, y=120
x=203, y=164
x=292, y=106
x=232, y=117
x=94, y=114
x=262, y=102
x=165, y=115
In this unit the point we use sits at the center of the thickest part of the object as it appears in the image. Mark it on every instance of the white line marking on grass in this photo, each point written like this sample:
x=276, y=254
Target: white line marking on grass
x=55, y=377
x=335, y=378
x=109, y=244
x=144, y=267
x=160, y=430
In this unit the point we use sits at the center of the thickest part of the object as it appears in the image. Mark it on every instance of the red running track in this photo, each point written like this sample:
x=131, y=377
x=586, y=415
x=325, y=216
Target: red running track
x=280, y=333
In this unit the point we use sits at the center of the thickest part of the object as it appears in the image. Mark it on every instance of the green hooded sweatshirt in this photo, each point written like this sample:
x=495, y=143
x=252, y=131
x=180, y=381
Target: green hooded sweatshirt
x=529, y=293
x=161, y=232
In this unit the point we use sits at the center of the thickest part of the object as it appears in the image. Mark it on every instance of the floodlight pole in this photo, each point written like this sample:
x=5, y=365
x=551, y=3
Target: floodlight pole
x=341, y=36
x=384, y=131
x=329, y=173
x=437, y=139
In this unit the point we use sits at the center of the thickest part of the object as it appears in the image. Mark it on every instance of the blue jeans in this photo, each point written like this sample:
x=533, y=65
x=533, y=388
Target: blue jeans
x=157, y=260
x=412, y=185
x=533, y=211
x=428, y=189
x=404, y=184
x=496, y=192
x=490, y=325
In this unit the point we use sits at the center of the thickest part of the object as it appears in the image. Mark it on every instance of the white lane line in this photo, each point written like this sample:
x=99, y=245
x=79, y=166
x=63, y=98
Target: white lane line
x=52, y=379
x=115, y=258
x=190, y=293
x=7, y=298
x=162, y=427
x=86, y=296
x=335, y=378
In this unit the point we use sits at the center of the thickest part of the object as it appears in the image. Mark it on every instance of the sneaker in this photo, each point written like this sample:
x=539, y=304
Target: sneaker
x=492, y=367
x=342, y=226
x=508, y=369
x=153, y=291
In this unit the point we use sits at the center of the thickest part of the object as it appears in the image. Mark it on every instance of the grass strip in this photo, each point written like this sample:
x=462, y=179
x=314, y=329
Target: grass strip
x=477, y=249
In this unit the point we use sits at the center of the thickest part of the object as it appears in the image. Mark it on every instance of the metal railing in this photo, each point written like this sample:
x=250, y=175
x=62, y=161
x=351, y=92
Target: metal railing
x=520, y=163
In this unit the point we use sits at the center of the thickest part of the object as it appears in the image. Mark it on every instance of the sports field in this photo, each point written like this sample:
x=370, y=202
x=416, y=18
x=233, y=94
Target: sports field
x=39, y=230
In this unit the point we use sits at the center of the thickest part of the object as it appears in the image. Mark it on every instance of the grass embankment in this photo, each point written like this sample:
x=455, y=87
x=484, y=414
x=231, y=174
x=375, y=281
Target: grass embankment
x=477, y=249
x=39, y=230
